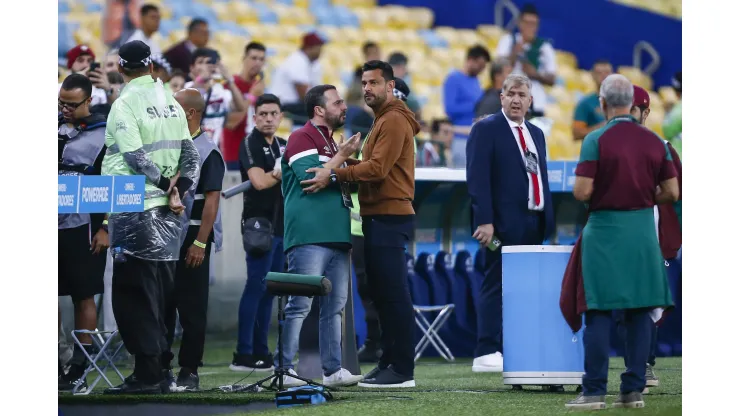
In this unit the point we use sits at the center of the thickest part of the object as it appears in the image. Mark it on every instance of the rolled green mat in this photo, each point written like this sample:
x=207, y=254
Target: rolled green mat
x=297, y=284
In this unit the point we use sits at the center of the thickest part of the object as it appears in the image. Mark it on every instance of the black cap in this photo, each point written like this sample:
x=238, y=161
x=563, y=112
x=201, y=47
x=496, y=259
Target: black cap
x=135, y=54
x=401, y=91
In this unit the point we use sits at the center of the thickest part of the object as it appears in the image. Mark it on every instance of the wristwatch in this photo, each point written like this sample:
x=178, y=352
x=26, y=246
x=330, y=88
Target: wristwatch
x=333, y=176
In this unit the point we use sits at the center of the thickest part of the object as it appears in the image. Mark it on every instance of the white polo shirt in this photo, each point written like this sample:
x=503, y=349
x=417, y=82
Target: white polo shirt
x=532, y=148
x=548, y=65
x=296, y=69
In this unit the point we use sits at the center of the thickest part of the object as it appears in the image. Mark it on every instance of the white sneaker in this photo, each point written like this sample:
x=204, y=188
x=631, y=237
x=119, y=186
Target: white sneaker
x=342, y=378
x=289, y=381
x=491, y=363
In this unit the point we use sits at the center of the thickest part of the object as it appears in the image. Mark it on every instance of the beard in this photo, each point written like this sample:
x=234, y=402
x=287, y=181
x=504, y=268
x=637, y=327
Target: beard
x=336, y=121
x=375, y=101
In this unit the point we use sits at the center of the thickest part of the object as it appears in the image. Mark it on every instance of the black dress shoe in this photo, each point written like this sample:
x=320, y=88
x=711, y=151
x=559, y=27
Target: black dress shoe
x=133, y=386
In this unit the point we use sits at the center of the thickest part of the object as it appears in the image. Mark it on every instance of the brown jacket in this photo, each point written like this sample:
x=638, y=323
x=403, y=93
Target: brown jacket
x=386, y=172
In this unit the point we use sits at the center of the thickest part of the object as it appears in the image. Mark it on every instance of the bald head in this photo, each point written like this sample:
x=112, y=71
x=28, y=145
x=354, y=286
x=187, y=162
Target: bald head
x=191, y=98
x=617, y=91
x=194, y=105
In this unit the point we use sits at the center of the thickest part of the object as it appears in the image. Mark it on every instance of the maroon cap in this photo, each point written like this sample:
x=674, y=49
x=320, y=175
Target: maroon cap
x=641, y=97
x=76, y=52
x=312, y=39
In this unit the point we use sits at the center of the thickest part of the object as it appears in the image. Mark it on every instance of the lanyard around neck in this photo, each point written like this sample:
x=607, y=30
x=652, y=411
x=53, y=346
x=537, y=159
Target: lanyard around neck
x=331, y=148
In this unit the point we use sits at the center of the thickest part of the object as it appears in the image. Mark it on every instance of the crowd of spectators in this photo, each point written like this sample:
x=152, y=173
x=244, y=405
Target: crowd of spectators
x=192, y=62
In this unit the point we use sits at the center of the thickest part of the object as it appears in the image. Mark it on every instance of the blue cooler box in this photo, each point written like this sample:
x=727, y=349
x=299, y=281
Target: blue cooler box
x=539, y=346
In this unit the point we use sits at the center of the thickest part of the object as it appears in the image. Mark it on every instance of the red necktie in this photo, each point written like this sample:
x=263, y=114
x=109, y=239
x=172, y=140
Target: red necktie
x=535, y=180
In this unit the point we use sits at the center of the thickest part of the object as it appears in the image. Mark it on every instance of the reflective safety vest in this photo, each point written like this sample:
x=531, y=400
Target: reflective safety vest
x=146, y=117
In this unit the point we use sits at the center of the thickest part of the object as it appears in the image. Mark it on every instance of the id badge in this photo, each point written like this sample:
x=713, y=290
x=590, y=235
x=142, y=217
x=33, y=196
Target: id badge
x=346, y=198
x=530, y=161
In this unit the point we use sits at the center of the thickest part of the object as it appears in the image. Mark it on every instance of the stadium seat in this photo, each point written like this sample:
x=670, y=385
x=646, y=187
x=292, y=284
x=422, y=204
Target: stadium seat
x=636, y=76
x=359, y=310
x=424, y=271
x=465, y=269
x=447, y=290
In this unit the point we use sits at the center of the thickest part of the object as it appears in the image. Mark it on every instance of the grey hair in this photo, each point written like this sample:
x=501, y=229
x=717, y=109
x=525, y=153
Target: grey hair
x=617, y=91
x=516, y=80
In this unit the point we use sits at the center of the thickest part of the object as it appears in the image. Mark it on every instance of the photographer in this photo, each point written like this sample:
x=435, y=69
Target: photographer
x=259, y=161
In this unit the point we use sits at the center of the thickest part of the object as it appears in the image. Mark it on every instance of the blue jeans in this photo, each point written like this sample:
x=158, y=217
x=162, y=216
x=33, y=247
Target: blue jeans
x=255, y=307
x=334, y=265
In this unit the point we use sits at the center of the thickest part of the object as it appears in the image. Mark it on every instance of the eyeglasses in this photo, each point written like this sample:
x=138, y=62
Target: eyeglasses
x=70, y=106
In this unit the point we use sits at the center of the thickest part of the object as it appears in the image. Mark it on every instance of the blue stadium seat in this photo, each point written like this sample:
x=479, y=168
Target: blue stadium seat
x=267, y=16
x=234, y=28
x=432, y=39
x=346, y=17
x=63, y=8
x=167, y=26
x=418, y=289
x=285, y=2
x=93, y=7
x=464, y=282
x=461, y=341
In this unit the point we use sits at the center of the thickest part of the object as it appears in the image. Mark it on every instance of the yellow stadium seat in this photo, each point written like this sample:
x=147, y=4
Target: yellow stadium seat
x=636, y=76
x=668, y=94
x=398, y=17
x=564, y=58
x=491, y=34
x=588, y=85
x=466, y=38
x=422, y=17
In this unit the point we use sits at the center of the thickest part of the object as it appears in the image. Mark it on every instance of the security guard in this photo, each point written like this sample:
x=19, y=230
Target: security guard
x=201, y=230
x=147, y=134
x=83, y=238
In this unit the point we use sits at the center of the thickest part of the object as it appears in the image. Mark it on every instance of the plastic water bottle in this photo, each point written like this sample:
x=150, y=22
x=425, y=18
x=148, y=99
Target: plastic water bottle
x=118, y=256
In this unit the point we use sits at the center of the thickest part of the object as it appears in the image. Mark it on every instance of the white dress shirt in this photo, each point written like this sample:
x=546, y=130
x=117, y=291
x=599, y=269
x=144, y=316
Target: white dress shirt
x=532, y=148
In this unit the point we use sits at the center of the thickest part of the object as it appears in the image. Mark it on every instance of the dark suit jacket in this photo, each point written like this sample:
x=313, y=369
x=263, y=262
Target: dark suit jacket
x=180, y=57
x=497, y=179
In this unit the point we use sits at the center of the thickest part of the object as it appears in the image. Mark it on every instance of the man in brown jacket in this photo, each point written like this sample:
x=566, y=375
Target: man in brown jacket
x=386, y=178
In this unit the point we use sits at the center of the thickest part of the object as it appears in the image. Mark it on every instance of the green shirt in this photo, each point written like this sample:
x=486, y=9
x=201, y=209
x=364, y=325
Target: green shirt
x=318, y=217
x=588, y=111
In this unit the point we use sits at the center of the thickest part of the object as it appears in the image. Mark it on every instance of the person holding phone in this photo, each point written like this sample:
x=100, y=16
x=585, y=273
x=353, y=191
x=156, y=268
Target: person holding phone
x=223, y=98
x=81, y=60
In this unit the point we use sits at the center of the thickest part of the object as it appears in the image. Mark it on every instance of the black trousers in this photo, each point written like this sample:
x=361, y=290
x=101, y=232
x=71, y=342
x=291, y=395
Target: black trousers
x=490, y=311
x=140, y=290
x=363, y=288
x=190, y=301
x=386, y=237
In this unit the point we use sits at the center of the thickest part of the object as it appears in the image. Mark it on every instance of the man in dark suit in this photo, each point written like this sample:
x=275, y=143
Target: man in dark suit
x=180, y=56
x=511, y=202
